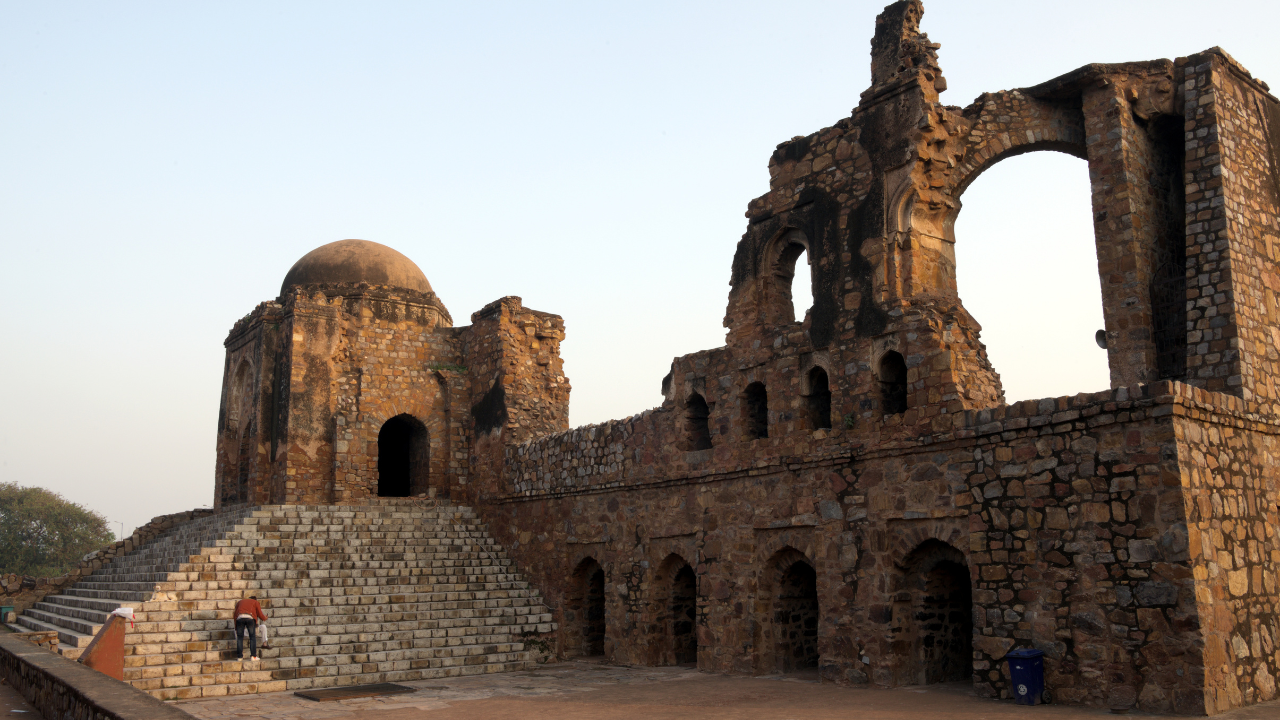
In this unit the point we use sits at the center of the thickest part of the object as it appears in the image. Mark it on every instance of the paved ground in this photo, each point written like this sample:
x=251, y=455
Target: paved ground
x=13, y=705
x=579, y=690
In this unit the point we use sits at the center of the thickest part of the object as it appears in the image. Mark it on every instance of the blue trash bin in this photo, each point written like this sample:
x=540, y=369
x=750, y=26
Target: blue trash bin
x=1026, y=670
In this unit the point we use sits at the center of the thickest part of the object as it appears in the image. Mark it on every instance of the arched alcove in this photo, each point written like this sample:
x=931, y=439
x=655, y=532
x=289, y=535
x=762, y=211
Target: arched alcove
x=676, y=590
x=403, y=457
x=1027, y=271
x=892, y=372
x=755, y=411
x=791, y=293
x=933, y=616
x=697, y=429
x=818, y=401
x=585, y=610
x=788, y=616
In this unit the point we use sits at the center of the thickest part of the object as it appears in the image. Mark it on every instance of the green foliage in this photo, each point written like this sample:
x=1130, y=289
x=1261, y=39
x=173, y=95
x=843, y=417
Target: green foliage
x=44, y=534
x=447, y=366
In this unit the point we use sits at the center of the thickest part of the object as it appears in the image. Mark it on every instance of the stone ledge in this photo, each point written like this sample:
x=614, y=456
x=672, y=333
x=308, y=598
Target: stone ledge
x=60, y=688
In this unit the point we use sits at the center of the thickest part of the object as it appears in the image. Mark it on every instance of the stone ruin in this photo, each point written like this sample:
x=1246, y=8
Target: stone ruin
x=848, y=494
x=849, y=491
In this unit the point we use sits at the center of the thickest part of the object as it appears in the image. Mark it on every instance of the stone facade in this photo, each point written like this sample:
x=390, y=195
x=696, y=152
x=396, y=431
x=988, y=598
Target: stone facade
x=849, y=490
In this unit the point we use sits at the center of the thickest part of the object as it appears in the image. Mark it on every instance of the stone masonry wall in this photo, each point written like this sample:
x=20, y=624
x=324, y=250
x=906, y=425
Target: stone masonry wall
x=1070, y=513
x=1233, y=514
x=60, y=688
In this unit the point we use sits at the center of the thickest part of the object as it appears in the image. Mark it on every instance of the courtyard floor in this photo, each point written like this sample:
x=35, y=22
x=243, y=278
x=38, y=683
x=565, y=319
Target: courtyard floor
x=581, y=690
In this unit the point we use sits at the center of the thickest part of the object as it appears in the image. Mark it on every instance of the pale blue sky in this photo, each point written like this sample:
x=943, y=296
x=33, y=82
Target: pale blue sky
x=165, y=163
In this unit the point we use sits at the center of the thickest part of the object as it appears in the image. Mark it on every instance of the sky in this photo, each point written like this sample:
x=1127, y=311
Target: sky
x=162, y=165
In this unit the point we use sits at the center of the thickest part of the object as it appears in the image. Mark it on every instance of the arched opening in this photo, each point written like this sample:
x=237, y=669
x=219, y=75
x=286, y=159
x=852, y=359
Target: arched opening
x=697, y=429
x=755, y=406
x=893, y=383
x=787, y=615
x=584, y=610
x=796, y=619
x=1027, y=270
x=684, y=616
x=819, y=399
x=933, y=617
x=403, y=457
x=793, y=277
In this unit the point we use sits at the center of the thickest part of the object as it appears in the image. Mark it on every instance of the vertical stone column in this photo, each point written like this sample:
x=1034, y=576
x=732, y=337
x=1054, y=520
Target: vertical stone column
x=1123, y=226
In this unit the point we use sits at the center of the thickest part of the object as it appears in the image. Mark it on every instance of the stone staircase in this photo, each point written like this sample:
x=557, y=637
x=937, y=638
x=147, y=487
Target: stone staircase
x=398, y=589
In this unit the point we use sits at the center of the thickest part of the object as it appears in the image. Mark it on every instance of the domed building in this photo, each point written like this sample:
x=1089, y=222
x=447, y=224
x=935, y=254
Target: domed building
x=354, y=383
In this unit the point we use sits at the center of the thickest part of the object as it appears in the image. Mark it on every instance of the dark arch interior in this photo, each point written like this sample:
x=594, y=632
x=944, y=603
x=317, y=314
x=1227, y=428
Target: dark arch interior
x=402, y=457
x=796, y=618
x=756, y=406
x=893, y=383
x=697, y=427
x=593, y=635
x=684, y=610
x=819, y=399
x=946, y=620
x=933, y=617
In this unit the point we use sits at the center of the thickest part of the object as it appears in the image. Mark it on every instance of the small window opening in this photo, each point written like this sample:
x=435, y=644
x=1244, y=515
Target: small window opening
x=402, y=457
x=697, y=426
x=756, y=407
x=893, y=383
x=819, y=399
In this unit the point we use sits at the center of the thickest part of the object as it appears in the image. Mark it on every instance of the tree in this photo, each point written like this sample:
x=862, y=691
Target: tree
x=44, y=534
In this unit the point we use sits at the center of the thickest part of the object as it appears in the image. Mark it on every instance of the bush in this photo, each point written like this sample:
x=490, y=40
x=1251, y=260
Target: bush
x=43, y=534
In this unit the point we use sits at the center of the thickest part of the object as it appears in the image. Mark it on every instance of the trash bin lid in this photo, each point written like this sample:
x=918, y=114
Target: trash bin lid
x=1024, y=653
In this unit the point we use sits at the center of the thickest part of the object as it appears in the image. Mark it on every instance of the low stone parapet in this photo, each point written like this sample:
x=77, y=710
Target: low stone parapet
x=60, y=688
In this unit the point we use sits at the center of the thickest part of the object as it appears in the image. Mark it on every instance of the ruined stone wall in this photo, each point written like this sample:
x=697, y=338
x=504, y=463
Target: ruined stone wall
x=1232, y=494
x=1069, y=513
x=517, y=388
x=1232, y=138
x=249, y=429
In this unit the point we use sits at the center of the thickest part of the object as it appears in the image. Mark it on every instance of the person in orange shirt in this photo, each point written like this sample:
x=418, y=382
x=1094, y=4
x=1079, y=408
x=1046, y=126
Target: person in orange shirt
x=247, y=614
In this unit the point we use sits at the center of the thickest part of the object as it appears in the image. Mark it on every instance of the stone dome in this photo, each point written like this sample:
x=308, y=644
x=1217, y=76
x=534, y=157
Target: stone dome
x=355, y=261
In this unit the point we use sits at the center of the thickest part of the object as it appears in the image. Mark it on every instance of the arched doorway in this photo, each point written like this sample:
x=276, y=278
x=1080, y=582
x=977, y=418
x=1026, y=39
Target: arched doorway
x=585, y=611
x=684, y=615
x=787, y=628
x=796, y=618
x=403, y=456
x=933, y=617
x=676, y=600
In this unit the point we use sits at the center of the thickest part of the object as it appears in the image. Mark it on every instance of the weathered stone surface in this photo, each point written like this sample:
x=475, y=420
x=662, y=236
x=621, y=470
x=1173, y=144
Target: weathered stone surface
x=849, y=490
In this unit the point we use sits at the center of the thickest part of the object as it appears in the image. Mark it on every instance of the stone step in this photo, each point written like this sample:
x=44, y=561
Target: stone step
x=74, y=601
x=67, y=638
x=122, y=596
x=199, y=690
x=64, y=622
x=88, y=615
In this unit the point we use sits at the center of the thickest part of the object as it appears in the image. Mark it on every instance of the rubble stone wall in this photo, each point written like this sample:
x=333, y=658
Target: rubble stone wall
x=1071, y=515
